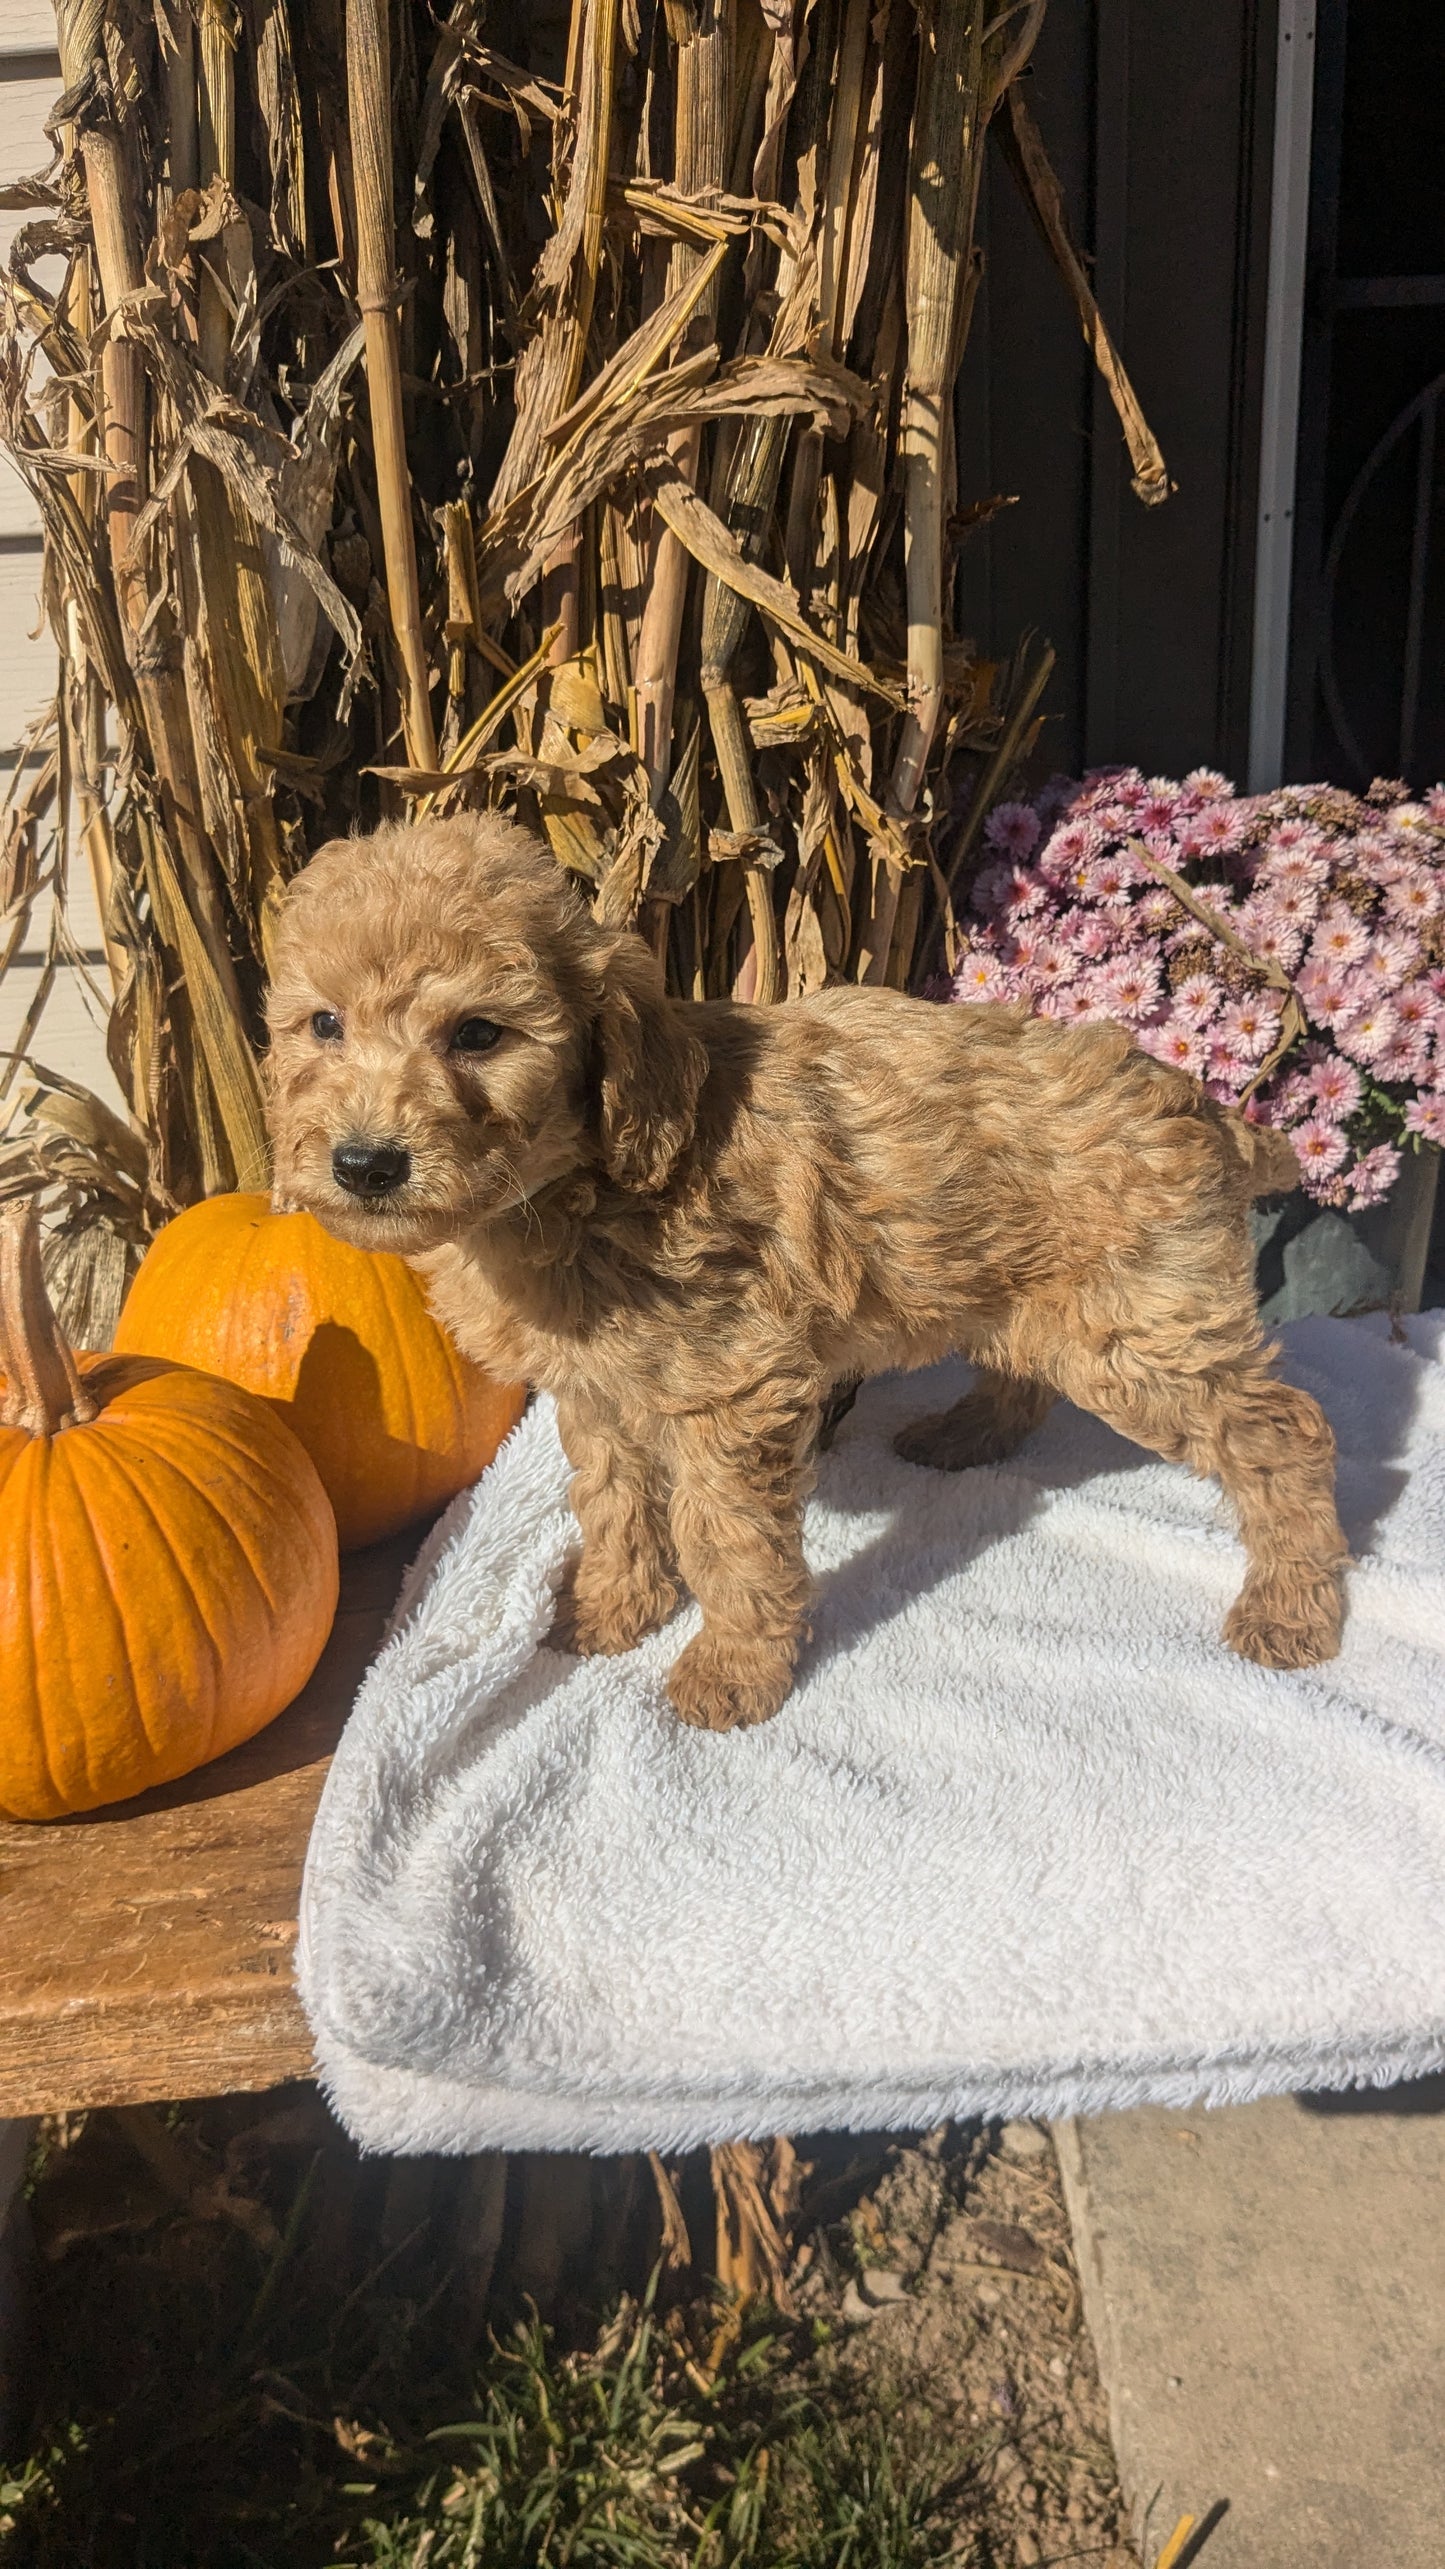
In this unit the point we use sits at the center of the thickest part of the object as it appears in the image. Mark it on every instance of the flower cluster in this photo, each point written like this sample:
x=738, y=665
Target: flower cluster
x=1311, y=993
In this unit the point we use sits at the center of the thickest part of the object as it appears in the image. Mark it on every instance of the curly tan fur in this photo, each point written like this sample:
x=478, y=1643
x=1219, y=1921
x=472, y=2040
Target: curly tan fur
x=690, y=1222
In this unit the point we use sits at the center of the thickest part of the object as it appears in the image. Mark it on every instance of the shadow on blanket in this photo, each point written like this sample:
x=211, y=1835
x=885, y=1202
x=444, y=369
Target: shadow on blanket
x=850, y=1601
x=1381, y=1414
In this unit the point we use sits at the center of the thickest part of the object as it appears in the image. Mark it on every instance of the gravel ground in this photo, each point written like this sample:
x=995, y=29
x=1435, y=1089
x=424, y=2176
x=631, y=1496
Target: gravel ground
x=950, y=2291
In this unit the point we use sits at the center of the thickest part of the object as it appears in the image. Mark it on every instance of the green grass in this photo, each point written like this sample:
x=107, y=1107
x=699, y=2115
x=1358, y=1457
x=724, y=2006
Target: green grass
x=206, y=2405
x=621, y=2459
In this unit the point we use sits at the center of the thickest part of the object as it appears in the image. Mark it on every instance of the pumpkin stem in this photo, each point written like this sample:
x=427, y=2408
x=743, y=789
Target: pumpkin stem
x=43, y=1391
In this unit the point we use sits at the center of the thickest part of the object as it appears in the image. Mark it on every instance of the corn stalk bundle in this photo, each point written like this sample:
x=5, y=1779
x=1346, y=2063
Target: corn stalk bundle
x=496, y=408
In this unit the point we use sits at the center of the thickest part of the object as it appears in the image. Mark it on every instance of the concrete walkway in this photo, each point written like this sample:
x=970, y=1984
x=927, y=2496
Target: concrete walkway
x=1266, y=2289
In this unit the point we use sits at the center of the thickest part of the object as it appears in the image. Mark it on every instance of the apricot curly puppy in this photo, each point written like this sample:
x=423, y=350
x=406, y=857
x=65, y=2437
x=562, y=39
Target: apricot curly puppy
x=691, y=1222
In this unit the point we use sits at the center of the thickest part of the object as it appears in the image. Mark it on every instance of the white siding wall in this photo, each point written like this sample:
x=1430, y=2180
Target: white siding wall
x=71, y=1037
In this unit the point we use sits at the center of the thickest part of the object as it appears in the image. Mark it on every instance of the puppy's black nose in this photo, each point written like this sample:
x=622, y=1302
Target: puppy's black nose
x=370, y=1169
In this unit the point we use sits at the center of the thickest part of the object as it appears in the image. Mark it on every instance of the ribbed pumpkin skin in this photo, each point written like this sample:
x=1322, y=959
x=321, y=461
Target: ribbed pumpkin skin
x=168, y=1577
x=394, y=1419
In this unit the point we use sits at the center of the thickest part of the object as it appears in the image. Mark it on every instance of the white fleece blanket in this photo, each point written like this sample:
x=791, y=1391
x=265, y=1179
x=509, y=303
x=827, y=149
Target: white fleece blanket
x=1026, y=1839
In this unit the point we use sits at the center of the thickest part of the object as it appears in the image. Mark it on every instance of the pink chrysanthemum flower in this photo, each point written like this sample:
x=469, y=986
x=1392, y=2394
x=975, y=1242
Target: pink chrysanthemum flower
x=1391, y=958
x=1295, y=1098
x=1292, y=836
x=1071, y=846
x=1211, y=831
x=1183, y=1046
x=1126, y=788
x=980, y=976
x=1413, y=898
x=1335, y=1086
x=1024, y=892
x=1407, y=816
x=1196, y=999
x=1225, y=1063
x=1127, y=987
x=1053, y=964
x=1372, y=1177
x=1426, y=1115
x=1265, y=922
x=1435, y=806
x=1302, y=867
x=1417, y=1008
x=1091, y=937
x=1252, y=1023
x=1406, y=1058
x=1278, y=941
x=1065, y=1001
x=1325, y=990
x=1370, y=1030
x=1318, y=1145
x=1340, y=938
x=1362, y=988
x=1110, y=879
x=1262, y=902
x=1013, y=828
x=1206, y=784
x=1116, y=821
x=1296, y=903
x=1156, y=843
x=1159, y=808
x=1157, y=910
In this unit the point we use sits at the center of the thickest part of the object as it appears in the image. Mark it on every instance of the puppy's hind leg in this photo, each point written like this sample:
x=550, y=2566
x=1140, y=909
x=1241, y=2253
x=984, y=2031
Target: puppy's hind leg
x=1271, y=1449
x=986, y=1426
x=623, y=1586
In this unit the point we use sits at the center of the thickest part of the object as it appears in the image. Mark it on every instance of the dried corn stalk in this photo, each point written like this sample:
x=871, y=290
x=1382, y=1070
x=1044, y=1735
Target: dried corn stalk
x=539, y=410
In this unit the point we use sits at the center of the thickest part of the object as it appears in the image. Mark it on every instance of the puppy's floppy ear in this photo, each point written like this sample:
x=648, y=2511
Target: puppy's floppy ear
x=650, y=1069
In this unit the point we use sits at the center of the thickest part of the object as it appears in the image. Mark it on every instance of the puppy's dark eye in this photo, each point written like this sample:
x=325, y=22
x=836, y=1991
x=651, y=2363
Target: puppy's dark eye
x=475, y=1035
x=326, y=1026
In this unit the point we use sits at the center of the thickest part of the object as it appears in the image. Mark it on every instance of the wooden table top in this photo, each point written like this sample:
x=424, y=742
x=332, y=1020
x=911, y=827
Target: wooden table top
x=145, y=1950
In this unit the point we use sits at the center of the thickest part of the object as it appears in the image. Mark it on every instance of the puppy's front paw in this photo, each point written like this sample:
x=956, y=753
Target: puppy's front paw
x=1283, y=1623
x=597, y=1621
x=722, y=1685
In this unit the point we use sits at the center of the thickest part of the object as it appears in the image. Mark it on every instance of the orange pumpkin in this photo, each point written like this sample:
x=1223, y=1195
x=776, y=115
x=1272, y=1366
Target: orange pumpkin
x=168, y=1569
x=394, y=1419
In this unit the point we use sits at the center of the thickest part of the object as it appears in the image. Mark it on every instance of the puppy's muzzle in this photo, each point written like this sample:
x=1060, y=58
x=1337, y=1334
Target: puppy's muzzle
x=370, y=1170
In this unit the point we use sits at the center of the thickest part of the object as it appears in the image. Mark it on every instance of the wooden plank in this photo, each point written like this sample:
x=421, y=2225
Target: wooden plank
x=29, y=28
x=71, y=1036
x=145, y=1951
x=30, y=83
x=27, y=649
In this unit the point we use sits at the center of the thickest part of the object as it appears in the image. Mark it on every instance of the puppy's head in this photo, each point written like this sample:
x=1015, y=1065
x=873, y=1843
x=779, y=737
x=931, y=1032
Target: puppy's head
x=451, y=1030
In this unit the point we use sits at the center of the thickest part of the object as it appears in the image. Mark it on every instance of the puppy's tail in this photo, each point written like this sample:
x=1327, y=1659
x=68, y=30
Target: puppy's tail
x=1270, y=1165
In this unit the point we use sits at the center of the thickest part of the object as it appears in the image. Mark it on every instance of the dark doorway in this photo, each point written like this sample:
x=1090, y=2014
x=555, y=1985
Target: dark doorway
x=1158, y=116
x=1367, y=694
